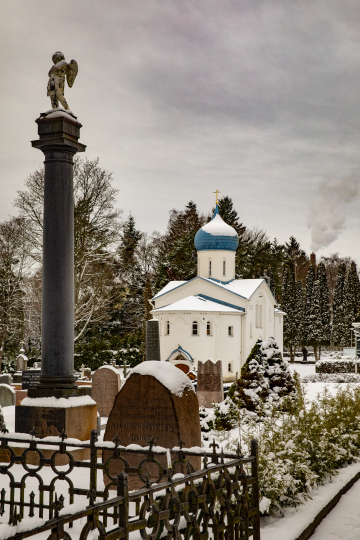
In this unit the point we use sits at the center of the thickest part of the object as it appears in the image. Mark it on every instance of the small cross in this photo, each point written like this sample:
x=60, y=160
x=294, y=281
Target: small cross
x=63, y=435
x=214, y=446
x=151, y=443
x=181, y=444
x=124, y=369
x=216, y=194
x=116, y=441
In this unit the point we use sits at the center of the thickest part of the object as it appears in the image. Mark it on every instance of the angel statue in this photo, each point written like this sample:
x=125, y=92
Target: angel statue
x=56, y=84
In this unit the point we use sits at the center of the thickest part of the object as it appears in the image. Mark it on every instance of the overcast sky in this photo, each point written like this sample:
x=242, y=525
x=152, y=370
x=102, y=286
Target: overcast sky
x=259, y=99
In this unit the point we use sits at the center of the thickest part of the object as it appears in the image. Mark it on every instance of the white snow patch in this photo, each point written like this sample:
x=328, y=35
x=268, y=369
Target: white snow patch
x=218, y=227
x=168, y=375
x=61, y=403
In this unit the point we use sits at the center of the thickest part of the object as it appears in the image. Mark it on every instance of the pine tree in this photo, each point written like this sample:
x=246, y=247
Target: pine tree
x=265, y=378
x=289, y=306
x=339, y=323
x=352, y=298
x=315, y=329
x=324, y=306
x=147, y=315
x=299, y=313
x=272, y=284
x=310, y=280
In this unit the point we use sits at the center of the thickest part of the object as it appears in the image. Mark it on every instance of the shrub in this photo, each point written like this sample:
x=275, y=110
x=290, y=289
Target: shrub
x=345, y=364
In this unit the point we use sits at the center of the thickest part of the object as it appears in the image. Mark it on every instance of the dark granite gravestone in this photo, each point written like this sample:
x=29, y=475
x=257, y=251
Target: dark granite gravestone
x=152, y=340
x=30, y=378
x=5, y=378
x=7, y=395
x=210, y=387
x=157, y=401
x=106, y=384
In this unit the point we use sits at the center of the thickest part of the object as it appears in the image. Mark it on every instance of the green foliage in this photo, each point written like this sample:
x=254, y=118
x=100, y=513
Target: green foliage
x=96, y=353
x=336, y=366
x=340, y=332
x=303, y=446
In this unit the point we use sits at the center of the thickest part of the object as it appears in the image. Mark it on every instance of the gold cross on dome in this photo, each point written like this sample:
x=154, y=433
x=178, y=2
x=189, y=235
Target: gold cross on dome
x=216, y=194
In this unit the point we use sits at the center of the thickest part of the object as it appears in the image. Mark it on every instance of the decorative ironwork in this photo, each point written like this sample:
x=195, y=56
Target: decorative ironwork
x=221, y=500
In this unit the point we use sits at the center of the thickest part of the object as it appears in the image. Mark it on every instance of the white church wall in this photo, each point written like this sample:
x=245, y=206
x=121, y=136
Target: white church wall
x=279, y=327
x=217, y=345
x=222, y=264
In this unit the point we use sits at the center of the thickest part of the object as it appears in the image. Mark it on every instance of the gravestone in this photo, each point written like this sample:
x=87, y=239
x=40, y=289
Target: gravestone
x=21, y=360
x=210, y=387
x=106, y=383
x=157, y=402
x=87, y=373
x=30, y=378
x=7, y=395
x=5, y=379
x=152, y=340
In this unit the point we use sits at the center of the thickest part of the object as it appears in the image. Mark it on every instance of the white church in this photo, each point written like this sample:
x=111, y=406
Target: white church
x=215, y=315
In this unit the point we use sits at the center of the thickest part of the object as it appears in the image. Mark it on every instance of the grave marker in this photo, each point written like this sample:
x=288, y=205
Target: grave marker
x=30, y=378
x=7, y=395
x=157, y=402
x=106, y=383
x=5, y=378
x=210, y=387
x=152, y=340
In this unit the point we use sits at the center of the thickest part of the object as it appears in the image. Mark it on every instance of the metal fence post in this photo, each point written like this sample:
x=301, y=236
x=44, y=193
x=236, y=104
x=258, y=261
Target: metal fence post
x=123, y=491
x=255, y=490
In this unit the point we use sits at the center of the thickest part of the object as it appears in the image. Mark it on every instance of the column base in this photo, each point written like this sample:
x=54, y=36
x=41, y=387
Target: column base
x=77, y=422
x=55, y=387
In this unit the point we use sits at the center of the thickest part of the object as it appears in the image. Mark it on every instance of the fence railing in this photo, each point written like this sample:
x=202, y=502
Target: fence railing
x=221, y=500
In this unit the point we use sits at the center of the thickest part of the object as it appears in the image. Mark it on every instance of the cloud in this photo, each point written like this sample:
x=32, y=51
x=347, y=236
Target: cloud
x=328, y=211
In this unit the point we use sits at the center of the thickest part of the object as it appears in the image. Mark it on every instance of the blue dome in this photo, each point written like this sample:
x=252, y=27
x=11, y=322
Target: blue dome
x=216, y=235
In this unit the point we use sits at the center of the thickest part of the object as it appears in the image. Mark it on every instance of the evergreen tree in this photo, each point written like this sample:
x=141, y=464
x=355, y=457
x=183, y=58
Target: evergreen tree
x=315, y=328
x=147, y=315
x=265, y=378
x=299, y=313
x=339, y=322
x=289, y=306
x=352, y=298
x=324, y=306
x=130, y=239
x=310, y=280
x=230, y=215
x=297, y=256
x=272, y=284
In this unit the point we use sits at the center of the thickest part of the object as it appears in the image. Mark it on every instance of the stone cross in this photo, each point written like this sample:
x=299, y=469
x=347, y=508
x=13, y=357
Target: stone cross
x=125, y=372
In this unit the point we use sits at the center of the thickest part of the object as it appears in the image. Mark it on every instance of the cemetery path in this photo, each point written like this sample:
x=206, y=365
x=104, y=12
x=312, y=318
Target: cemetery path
x=343, y=522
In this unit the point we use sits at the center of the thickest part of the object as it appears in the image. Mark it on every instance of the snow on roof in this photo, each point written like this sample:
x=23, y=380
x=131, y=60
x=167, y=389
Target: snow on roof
x=242, y=287
x=197, y=303
x=168, y=375
x=218, y=227
x=171, y=285
x=279, y=311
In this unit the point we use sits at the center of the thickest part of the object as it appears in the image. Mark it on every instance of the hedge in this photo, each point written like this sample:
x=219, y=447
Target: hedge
x=340, y=365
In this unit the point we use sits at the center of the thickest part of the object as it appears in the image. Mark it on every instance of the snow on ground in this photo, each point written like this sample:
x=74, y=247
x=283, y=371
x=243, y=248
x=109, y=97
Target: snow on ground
x=343, y=522
x=302, y=369
x=296, y=520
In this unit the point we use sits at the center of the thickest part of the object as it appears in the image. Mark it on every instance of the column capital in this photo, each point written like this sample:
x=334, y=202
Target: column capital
x=57, y=129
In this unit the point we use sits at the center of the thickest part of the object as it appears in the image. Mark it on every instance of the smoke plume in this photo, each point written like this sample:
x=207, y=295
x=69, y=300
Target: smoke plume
x=328, y=211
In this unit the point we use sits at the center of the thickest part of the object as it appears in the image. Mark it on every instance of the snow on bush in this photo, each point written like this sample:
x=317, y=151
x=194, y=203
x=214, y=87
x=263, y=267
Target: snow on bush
x=337, y=364
x=301, y=447
x=332, y=377
x=265, y=378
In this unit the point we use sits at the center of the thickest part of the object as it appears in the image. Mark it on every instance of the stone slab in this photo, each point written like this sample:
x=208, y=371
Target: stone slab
x=7, y=395
x=106, y=384
x=145, y=409
x=210, y=383
x=76, y=421
x=152, y=340
x=20, y=395
x=5, y=378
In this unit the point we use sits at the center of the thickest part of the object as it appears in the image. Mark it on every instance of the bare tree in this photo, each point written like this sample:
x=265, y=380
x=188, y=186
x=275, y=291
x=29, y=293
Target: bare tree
x=96, y=231
x=13, y=265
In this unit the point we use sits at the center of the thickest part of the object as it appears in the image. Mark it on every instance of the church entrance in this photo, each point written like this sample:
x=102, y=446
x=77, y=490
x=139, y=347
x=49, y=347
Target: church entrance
x=183, y=368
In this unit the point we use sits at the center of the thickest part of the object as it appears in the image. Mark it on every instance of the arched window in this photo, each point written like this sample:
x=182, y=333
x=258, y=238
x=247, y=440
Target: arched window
x=257, y=315
x=194, y=328
x=209, y=268
x=208, y=328
x=167, y=330
x=224, y=267
x=230, y=367
x=260, y=316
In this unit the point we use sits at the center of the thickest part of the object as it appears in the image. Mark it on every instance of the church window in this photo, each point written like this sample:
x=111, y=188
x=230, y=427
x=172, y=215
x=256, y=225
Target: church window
x=257, y=315
x=208, y=328
x=167, y=328
x=230, y=367
x=194, y=328
x=224, y=268
x=230, y=330
x=260, y=316
x=209, y=268
x=251, y=329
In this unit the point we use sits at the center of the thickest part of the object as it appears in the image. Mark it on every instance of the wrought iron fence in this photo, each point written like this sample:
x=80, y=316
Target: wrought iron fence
x=221, y=500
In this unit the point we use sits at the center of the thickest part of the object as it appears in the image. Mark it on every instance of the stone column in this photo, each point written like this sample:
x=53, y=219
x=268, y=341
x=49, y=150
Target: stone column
x=152, y=351
x=59, y=133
